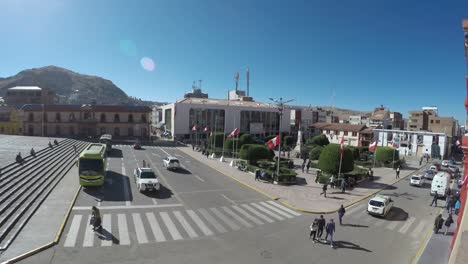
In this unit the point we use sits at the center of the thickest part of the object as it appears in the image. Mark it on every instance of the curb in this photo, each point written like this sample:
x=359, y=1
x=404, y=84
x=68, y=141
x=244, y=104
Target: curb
x=296, y=208
x=423, y=246
x=56, y=239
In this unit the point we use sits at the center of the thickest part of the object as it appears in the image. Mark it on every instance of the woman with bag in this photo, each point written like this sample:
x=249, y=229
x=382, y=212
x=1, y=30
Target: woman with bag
x=313, y=229
x=448, y=223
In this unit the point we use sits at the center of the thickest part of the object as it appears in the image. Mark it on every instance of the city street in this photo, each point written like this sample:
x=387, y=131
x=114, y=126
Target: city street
x=205, y=217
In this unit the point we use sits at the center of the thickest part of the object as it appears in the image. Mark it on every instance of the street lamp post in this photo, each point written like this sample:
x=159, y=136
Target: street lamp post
x=280, y=104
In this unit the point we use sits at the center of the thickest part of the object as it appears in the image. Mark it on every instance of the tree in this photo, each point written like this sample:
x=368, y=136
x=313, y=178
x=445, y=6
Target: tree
x=386, y=154
x=255, y=152
x=218, y=138
x=315, y=152
x=329, y=160
x=288, y=142
x=319, y=140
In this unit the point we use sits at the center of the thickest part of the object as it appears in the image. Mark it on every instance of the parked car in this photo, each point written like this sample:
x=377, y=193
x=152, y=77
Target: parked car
x=146, y=180
x=429, y=174
x=445, y=163
x=417, y=180
x=380, y=205
x=171, y=163
x=137, y=145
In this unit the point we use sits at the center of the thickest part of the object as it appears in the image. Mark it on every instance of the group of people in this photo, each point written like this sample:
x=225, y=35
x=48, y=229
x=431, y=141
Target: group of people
x=306, y=165
x=439, y=222
x=317, y=227
x=32, y=152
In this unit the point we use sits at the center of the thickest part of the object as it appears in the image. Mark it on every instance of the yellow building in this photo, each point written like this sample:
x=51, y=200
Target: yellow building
x=10, y=121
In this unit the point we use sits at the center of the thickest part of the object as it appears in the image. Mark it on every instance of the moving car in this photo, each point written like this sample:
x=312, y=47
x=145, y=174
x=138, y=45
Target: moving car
x=146, y=180
x=445, y=163
x=137, y=145
x=379, y=205
x=429, y=174
x=440, y=184
x=171, y=163
x=417, y=180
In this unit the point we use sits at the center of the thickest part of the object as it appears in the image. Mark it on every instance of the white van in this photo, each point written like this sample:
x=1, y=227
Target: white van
x=440, y=183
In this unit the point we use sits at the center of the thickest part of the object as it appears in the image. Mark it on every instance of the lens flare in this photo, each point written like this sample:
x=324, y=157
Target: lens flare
x=147, y=64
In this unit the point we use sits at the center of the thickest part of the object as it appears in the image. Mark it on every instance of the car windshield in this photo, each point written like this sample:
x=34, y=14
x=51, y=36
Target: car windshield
x=148, y=175
x=174, y=161
x=417, y=178
x=376, y=203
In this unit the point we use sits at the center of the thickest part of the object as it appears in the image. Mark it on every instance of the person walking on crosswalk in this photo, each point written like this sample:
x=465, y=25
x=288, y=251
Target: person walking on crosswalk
x=397, y=172
x=313, y=230
x=321, y=225
x=330, y=229
x=96, y=218
x=341, y=213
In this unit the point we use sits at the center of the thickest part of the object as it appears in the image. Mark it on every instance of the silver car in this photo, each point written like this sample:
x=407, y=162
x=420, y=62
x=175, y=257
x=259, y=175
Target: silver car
x=417, y=180
x=429, y=174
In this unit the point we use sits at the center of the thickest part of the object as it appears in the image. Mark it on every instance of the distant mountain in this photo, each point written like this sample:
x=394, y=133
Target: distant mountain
x=71, y=87
x=345, y=113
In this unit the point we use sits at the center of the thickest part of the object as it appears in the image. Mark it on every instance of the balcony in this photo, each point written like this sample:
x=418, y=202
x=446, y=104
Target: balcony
x=88, y=121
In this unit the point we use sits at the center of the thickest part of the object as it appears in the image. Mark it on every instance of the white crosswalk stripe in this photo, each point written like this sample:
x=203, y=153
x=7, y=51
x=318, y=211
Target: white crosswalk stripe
x=155, y=228
x=257, y=213
x=170, y=226
x=359, y=213
x=419, y=228
x=107, y=227
x=263, y=209
x=248, y=216
x=188, y=228
x=73, y=232
x=212, y=220
x=380, y=222
x=237, y=217
x=355, y=209
x=284, y=208
x=88, y=240
x=123, y=230
x=225, y=219
x=199, y=223
x=392, y=225
x=407, y=225
x=139, y=229
x=276, y=210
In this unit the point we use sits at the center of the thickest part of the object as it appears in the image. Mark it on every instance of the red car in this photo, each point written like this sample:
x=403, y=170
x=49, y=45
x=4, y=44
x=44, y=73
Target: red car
x=137, y=145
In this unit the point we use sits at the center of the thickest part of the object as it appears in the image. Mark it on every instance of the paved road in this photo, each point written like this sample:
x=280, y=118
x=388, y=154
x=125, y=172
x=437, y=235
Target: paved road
x=196, y=224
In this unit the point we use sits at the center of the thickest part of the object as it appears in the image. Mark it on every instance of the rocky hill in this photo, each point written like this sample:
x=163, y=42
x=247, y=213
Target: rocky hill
x=345, y=113
x=71, y=87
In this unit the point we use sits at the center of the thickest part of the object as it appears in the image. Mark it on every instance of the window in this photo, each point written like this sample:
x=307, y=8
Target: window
x=336, y=132
x=103, y=130
x=328, y=132
x=71, y=130
x=130, y=131
x=144, y=132
x=87, y=116
x=432, y=121
x=71, y=117
x=31, y=117
x=57, y=117
x=130, y=118
x=103, y=118
x=354, y=134
x=346, y=133
x=57, y=130
x=45, y=117
x=30, y=130
x=143, y=118
x=116, y=131
x=437, y=121
x=116, y=118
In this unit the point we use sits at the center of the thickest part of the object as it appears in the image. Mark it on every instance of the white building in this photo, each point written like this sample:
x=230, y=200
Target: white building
x=358, y=120
x=353, y=135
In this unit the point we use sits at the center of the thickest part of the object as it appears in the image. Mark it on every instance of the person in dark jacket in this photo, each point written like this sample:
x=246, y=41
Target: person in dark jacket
x=321, y=225
x=448, y=223
x=313, y=229
x=434, y=200
x=438, y=223
x=324, y=190
x=341, y=213
x=330, y=229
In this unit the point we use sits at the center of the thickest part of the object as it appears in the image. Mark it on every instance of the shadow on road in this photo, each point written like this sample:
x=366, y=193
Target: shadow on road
x=350, y=245
x=355, y=225
x=376, y=185
x=163, y=193
x=301, y=181
x=182, y=171
x=103, y=234
x=115, y=153
x=397, y=214
x=336, y=198
x=406, y=195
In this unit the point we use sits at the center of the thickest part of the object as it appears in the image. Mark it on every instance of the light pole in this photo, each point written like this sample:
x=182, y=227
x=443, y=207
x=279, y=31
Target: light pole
x=280, y=104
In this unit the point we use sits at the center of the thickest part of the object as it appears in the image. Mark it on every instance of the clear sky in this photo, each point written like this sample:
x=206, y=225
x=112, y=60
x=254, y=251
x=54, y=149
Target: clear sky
x=399, y=53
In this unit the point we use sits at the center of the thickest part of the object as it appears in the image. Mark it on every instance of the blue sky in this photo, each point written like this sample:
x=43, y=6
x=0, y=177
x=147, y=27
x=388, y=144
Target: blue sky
x=402, y=54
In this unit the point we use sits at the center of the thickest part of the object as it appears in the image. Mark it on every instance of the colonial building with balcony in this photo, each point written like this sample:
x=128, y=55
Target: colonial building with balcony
x=86, y=120
x=354, y=135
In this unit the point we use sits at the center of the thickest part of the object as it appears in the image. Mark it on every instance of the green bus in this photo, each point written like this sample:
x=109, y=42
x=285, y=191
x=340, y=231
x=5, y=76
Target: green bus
x=92, y=165
x=106, y=139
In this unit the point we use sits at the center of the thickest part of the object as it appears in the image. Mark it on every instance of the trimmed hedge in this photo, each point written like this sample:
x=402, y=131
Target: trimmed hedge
x=385, y=154
x=319, y=140
x=315, y=152
x=245, y=139
x=329, y=161
x=218, y=140
x=255, y=152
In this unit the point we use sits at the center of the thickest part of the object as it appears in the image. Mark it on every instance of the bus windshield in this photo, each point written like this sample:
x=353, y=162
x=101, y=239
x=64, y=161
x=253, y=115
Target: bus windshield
x=89, y=167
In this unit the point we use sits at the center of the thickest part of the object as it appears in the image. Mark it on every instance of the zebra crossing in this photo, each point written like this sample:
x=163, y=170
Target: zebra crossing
x=410, y=226
x=160, y=226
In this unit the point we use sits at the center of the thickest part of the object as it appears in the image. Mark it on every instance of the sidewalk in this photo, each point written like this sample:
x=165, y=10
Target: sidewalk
x=305, y=196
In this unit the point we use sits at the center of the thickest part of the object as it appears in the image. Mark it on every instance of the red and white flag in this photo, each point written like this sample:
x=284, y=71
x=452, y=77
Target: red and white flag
x=373, y=146
x=195, y=127
x=272, y=143
x=234, y=133
x=342, y=145
x=457, y=143
x=207, y=129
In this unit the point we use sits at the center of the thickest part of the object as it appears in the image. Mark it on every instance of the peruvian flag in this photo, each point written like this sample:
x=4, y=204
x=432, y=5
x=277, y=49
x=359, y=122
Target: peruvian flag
x=234, y=133
x=342, y=145
x=195, y=127
x=272, y=143
x=207, y=129
x=373, y=146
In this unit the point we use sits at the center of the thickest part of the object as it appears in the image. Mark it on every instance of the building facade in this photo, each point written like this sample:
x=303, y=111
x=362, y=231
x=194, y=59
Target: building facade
x=86, y=120
x=21, y=95
x=358, y=120
x=380, y=118
x=10, y=121
x=354, y=135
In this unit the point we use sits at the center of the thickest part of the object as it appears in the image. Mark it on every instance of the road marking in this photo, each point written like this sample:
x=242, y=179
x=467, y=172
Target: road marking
x=126, y=184
x=276, y=210
x=417, y=231
x=359, y=213
x=73, y=232
x=354, y=209
x=236, y=216
x=89, y=234
x=107, y=229
x=257, y=213
x=188, y=228
x=379, y=222
x=123, y=230
x=199, y=223
x=284, y=208
x=139, y=229
x=154, y=200
x=407, y=225
x=199, y=178
x=225, y=219
x=164, y=151
x=155, y=228
x=392, y=225
x=178, y=155
x=247, y=215
x=120, y=207
x=212, y=220
x=202, y=191
x=156, y=154
x=267, y=211
x=170, y=226
x=228, y=199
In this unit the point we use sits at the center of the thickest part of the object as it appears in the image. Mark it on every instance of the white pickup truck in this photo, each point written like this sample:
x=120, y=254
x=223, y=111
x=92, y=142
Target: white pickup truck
x=171, y=163
x=146, y=180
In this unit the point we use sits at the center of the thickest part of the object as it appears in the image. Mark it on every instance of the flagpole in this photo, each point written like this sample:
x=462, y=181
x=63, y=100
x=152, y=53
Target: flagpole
x=341, y=159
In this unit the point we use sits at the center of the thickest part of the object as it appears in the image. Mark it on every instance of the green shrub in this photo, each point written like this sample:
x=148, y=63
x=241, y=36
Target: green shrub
x=218, y=140
x=229, y=143
x=254, y=152
x=355, y=152
x=315, y=152
x=329, y=161
x=319, y=140
x=386, y=154
x=324, y=179
x=288, y=142
x=245, y=139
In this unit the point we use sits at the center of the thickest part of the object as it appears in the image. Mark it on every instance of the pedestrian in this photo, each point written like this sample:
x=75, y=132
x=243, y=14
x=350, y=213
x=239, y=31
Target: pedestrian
x=330, y=230
x=193, y=146
x=96, y=218
x=438, y=223
x=303, y=166
x=74, y=148
x=420, y=161
x=313, y=230
x=321, y=225
x=317, y=176
x=207, y=153
x=308, y=166
x=324, y=190
x=448, y=223
x=427, y=158
x=144, y=164
x=457, y=206
x=397, y=172
x=332, y=181
x=434, y=200
x=257, y=175
x=448, y=192
x=449, y=205
x=341, y=213
x=343, y=185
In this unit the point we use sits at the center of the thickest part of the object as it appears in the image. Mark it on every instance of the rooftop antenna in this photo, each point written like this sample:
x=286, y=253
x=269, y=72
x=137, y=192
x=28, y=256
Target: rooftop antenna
x=248, y=80
x=199, y=84
x=236, y=78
